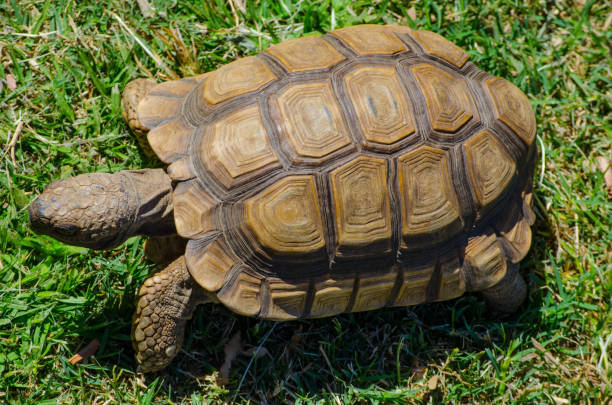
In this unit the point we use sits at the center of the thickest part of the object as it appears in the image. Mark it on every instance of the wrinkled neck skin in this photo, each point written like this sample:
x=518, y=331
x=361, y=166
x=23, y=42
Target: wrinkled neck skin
x=101, y=210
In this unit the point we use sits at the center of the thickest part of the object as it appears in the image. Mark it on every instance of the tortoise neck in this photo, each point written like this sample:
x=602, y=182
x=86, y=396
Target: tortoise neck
x=152, y=190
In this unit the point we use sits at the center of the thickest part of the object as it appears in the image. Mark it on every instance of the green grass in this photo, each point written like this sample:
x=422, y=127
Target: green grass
x=70, y=61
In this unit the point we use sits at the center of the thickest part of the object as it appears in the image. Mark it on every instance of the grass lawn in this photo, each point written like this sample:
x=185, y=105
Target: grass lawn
x=63, y=65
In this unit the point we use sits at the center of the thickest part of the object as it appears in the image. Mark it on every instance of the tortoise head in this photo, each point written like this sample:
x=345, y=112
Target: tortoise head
x=102, y=210
x=90, y=210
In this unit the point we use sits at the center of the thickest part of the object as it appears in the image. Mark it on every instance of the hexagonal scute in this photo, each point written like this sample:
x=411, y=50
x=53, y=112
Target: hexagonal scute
x=512, y=108
x=311, y=119
x=380, y=104
x=305, y=54
x=238, y=148
x=236, y=78
x=286, y=221
x=449, y=104
x=490, y=167
x=398, y=29
x=370, y=39
x=430, y=210
x=437, y=45
x=362, y=211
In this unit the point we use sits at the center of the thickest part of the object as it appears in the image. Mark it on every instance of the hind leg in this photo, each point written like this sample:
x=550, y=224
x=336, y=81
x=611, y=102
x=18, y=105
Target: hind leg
x=509, y=293
x=135, y=91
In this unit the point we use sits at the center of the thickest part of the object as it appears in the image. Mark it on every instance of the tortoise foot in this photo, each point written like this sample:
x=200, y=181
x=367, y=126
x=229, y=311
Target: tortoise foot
x=166, y=301
x=508, y=294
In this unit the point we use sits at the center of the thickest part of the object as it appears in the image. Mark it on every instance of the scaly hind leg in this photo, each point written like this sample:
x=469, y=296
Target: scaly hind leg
x=135, y=91
x=166, y=301
x=509, y=293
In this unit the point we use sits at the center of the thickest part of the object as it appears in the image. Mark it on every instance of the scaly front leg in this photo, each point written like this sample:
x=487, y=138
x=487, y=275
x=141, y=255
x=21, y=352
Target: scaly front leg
x=166, y=301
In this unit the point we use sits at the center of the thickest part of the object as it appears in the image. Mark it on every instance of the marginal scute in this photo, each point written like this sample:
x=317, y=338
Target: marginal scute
x=170, y=141
x=452, y=278
x=528, y=212
x=236, y=78
x=311, y=119
x=512, y=108
x=194, y=210
x=514, y=232
x=370, y=39
x=164, y=100
x=287, y=299
x=156, y=109
x=177, y=88
x=363, y=215
x=305, y=54
x=209, y=262
x=242, y=294
x=332, y=296
x=484, y=264
x=449, y=104
x=413, y=290
x=490, y=167
x=374, y=291
x=380, y=104
x=181, y=170
x=437, y=45
x=238, y=148
x=286, y=220
x=429, y=205
x=398, y=29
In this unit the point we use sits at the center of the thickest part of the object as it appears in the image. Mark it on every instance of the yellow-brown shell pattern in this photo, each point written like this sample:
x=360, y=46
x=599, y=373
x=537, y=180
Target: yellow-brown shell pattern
x=364, y=168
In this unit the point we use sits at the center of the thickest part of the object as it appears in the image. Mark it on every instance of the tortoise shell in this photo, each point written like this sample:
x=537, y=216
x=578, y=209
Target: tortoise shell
x=373, y=166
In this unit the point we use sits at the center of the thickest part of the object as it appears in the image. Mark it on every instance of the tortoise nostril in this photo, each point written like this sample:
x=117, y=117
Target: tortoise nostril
x=41, y=212
x=38, y=216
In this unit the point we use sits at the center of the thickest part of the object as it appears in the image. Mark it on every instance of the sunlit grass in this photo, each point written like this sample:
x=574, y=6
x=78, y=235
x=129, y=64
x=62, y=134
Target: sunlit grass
x=62, y=68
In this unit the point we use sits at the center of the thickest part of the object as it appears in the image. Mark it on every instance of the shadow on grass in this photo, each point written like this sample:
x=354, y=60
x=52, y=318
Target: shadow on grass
x=376, y=350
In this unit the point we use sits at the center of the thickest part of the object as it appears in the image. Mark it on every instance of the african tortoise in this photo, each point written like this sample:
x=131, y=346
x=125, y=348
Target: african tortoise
x=373, y=166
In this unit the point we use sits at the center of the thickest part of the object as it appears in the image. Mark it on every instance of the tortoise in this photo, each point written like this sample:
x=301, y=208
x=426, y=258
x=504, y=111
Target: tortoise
x=370, y=167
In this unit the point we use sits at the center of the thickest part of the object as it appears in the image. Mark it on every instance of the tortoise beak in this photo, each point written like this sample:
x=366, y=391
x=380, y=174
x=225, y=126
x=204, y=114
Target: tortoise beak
x=41, y=212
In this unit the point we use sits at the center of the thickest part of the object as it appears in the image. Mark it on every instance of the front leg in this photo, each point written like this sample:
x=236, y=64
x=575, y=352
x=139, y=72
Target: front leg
x=166, y=301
